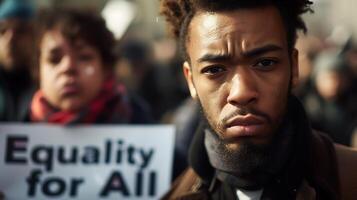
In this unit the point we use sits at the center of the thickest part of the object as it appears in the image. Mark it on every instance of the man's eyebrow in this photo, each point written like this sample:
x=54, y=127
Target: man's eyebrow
x=261, y=50
x=211, y=57
x=214, y=58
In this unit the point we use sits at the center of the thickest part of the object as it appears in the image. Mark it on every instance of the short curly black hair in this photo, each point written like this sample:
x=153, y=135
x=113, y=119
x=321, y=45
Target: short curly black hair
x=75, y=23
x=179, y=13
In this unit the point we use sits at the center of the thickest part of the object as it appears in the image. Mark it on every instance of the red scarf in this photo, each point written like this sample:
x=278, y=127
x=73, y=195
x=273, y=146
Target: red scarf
x=109, y=106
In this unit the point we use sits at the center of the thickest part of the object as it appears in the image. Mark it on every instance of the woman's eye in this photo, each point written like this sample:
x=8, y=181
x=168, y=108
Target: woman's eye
x=265, y=64
x=213, y=70
x=54, y=59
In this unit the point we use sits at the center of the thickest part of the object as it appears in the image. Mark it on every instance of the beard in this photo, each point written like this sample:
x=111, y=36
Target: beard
x=247, y=159
x=244, y=161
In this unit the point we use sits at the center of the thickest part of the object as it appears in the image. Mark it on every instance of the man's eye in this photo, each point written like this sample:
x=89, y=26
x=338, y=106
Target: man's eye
x=213, y=70
x=265, y=64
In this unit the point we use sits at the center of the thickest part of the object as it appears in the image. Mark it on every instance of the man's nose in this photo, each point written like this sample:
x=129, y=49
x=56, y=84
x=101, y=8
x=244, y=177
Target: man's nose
x=242, y=89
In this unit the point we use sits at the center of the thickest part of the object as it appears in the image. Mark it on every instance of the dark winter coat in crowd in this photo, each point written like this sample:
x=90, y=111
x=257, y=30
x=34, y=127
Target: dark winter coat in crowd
x=330, y=101
x=186, y=119
x=314, y=168
x=16, y=90
x=335, y=118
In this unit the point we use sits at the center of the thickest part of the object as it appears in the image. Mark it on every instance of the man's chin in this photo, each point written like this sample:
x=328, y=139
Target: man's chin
x=237, y=145
x=234, y=147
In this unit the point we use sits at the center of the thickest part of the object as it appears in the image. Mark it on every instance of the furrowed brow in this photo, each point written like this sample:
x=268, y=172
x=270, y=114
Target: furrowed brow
x=211, y=57
x=262, y=50
x=214, y=58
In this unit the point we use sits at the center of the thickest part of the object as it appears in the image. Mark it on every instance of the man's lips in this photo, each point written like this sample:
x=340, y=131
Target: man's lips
x=241, y=126
x=246, y=120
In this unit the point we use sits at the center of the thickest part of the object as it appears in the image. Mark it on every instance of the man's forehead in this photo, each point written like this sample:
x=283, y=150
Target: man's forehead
x=218, y=24
x=242, y=30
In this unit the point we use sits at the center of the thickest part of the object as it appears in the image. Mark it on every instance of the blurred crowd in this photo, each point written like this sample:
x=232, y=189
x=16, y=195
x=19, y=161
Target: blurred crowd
x=328, y=80
x=64, y=66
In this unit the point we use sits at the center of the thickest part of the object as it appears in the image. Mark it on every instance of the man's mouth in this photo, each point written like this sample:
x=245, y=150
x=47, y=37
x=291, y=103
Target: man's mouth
x=245, y=126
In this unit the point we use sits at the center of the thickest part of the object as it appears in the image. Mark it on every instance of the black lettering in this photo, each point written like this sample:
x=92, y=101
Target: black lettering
x=43, y=155
x=91, y=155
x=32, y=181
x=131, y=151
x=108, y=152
x=152, y=184
x=15, y=144
x=72, y=156
x=119, y=152
x=139, y=184
x=115, y=183
x=54, y=187
x=146, y=157
x=74, y=187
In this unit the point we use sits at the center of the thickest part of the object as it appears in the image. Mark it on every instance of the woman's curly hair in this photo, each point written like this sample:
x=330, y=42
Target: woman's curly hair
x=75, y=23
x=179, y=13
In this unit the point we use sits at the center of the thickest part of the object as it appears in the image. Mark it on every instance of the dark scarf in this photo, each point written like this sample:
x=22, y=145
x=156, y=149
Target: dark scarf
x=109, y=106
x=276, y=156
x=284, y=177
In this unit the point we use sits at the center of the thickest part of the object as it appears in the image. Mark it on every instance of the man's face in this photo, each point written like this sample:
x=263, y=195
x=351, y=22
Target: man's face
x=16, y=43
x=240, y=70
x=71, y=74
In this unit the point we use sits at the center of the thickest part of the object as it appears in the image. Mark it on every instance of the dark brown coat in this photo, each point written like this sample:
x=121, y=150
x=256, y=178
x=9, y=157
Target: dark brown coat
x=341, y=177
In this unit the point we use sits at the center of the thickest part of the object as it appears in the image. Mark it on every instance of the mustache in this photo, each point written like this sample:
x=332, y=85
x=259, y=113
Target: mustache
x=243, y=112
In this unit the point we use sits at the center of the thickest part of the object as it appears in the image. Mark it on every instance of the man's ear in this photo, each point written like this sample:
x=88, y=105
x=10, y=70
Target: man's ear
x=189, y=79
x=294, y=68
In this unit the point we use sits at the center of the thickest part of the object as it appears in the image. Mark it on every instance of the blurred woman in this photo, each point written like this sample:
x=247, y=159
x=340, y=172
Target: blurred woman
x=77, y=84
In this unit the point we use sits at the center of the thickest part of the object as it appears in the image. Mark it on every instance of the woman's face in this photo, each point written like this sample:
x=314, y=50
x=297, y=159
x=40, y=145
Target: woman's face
x=71, y=74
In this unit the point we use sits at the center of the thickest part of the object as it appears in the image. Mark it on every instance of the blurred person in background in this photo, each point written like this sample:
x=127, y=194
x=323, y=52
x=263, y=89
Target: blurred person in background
x=136, y=68
x=351, y=56
x=350, y=52
x=330, y=104
x=154, y=74
x=156, y=81
x=77, y=84
x=16, y=58
x=309, y=46
x=186, y=119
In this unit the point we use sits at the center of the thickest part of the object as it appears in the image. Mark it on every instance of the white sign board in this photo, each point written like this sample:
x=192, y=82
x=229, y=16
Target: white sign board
x=85, y=162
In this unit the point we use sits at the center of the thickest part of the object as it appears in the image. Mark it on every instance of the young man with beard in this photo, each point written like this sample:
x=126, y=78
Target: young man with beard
x=255, y=141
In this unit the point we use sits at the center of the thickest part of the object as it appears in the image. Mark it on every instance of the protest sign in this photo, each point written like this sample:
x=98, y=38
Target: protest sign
x=85, y=162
